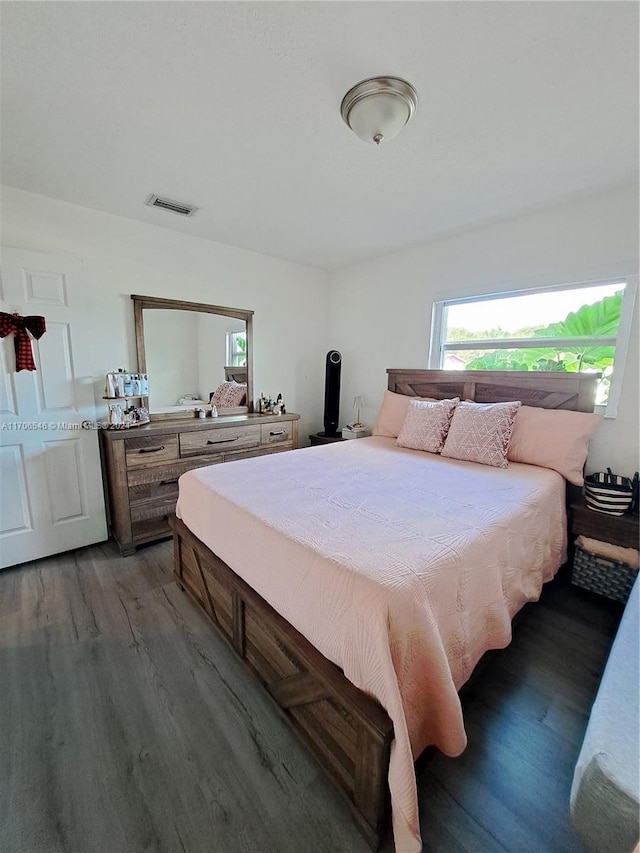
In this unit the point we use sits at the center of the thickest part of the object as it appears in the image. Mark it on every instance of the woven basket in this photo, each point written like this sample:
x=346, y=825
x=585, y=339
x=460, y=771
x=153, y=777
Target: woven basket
x=606, y=577
x=608, y=492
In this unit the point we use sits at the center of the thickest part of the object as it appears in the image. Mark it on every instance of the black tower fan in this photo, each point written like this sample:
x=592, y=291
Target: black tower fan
x=332, y=392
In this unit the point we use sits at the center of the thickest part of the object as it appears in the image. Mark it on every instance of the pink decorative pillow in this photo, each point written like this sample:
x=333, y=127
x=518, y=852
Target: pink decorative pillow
x=392, y=413
x=230, y=394
x=480, y=432
x=426, y=425
x=553, y=438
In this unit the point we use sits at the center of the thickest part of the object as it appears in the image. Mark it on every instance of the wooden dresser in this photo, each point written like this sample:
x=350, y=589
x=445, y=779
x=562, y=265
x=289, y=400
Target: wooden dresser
x=142, y=465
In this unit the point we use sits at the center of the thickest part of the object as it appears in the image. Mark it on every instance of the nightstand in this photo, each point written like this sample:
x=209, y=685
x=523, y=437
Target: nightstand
x=320, y=438
x=616, y=529
x=596, y=573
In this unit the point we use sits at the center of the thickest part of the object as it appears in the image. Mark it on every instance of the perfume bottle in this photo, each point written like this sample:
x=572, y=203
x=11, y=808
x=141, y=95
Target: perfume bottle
x=120, y=382
x=111, y=386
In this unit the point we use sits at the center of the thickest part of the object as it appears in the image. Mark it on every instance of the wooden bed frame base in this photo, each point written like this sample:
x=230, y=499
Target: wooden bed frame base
x=348, y=732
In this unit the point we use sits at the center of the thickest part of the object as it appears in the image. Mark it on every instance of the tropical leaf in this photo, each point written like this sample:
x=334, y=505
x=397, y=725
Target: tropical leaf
x=598, y=320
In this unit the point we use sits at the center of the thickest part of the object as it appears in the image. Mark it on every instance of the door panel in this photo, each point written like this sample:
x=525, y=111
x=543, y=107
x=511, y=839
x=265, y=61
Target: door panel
x=8, y=405
x=56, y=382
x=65, y=479
x=16, y=514
x=51, y=490
x=42, y=288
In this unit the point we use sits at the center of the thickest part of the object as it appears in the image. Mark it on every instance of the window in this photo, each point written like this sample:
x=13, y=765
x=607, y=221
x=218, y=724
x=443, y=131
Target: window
x=574, y=327
x=236, y=349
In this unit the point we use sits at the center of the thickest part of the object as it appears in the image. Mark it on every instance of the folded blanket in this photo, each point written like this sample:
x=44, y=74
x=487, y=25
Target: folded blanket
x=628, y=556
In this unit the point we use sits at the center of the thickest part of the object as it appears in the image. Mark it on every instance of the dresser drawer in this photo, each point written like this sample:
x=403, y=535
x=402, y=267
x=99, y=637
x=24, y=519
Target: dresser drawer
x=166, y=474
x=271, y=434
x=225, y=440
x=150, y=529
x=161, y=509
x=146, y=492
x=149, y=449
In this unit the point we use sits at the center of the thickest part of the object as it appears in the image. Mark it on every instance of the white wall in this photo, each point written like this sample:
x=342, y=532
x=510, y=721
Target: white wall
x=380, y=311
x=377, y=314
x=122, y=257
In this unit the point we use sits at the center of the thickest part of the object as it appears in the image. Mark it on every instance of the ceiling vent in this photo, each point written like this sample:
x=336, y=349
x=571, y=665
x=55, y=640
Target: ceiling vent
x=173, y=206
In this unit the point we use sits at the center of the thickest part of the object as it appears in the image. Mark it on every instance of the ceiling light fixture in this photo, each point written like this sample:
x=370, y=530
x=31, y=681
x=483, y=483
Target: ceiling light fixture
x=378, y=108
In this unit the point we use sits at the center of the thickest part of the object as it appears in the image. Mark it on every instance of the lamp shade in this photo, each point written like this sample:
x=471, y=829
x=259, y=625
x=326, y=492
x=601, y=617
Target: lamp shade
x=377, y=109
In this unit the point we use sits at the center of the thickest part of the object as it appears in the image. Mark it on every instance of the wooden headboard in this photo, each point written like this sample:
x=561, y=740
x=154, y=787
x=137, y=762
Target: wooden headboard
x=239, y=374
x=548, y=390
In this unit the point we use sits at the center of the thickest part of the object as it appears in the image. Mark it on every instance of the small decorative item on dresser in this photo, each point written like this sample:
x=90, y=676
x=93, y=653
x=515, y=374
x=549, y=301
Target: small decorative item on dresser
x=120, y=389
x=119, y=384
x=608, y=492
x=279, y=407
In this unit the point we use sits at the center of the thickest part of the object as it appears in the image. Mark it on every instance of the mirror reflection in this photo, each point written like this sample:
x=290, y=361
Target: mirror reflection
x=188, y=354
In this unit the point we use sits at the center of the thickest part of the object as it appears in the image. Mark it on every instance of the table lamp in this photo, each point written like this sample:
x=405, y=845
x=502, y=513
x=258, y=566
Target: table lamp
x=358, y=403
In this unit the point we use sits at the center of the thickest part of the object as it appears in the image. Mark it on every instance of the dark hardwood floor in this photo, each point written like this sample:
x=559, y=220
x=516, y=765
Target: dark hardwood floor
x=126, y=726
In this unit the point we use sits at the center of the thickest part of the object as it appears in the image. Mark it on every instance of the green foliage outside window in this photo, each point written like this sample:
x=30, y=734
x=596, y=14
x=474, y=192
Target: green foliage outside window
x=599, y=320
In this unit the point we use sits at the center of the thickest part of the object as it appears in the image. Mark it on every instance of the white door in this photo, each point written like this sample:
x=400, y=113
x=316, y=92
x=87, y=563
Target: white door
x=51, y=496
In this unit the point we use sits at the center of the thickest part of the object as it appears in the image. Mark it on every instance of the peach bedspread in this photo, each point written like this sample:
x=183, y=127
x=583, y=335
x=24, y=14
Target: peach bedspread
x=401, y=567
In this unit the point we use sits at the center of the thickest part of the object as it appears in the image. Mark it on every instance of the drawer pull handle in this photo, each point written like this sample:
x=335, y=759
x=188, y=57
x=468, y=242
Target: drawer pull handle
x=151, y=449
x=168, y=482
x=223, y=440
x=277, y=432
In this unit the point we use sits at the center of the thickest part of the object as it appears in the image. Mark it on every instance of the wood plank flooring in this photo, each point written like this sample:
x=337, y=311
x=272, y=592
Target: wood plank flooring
x=127, y=726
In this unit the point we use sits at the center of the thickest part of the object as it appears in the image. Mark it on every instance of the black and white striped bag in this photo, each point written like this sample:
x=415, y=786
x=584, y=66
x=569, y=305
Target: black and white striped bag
x=608, y=492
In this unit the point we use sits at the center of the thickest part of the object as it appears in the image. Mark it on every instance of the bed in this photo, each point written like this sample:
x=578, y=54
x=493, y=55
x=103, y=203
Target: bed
x=362, y=612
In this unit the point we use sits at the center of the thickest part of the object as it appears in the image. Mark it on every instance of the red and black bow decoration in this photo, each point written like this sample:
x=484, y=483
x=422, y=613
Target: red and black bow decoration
x=21, y=326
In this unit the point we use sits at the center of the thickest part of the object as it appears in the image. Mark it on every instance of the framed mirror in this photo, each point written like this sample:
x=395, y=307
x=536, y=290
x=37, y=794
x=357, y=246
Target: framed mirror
x=188, y=348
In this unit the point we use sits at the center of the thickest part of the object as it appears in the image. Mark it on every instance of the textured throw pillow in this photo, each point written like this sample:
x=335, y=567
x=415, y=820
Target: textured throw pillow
x=553, y=438
x=480, y=432
x=230, y=394
x=392, y=413
x=426, y=425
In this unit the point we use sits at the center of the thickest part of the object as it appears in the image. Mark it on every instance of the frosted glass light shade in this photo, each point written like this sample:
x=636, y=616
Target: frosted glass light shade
x=377, y=109
x=378, y=116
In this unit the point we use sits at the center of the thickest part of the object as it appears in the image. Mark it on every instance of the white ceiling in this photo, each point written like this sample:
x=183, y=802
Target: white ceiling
x=234, y=107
